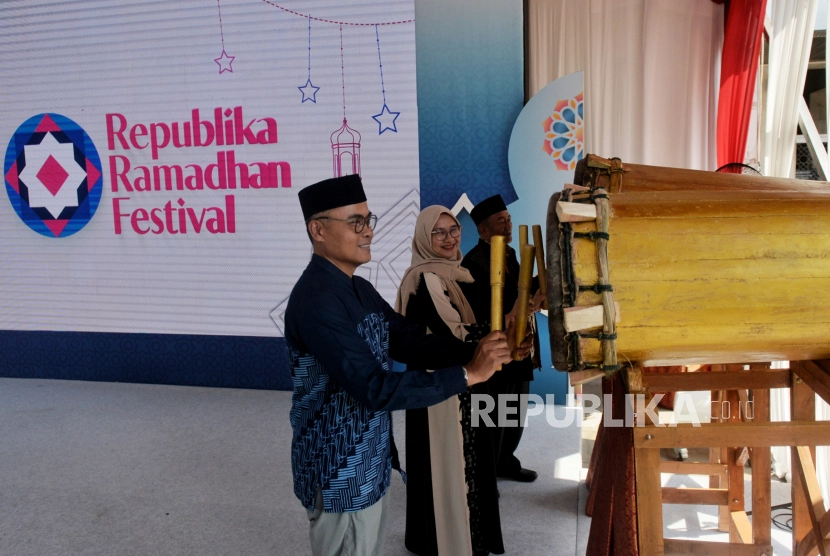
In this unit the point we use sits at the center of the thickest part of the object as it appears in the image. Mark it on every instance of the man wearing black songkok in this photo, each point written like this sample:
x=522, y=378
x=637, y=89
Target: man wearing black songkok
x=341, y=335
x=492, y=218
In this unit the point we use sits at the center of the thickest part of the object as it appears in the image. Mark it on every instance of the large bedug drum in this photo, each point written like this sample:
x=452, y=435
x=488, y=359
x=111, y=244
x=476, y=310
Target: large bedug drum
x=682, y=266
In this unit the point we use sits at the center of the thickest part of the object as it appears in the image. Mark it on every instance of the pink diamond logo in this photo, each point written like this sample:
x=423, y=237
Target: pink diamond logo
x=52, y=175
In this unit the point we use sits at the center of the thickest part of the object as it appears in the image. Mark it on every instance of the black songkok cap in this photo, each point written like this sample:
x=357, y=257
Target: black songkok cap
x=330, y=194
x=487, y=208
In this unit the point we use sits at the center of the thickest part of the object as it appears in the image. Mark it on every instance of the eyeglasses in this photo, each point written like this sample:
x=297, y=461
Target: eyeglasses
x=359, y=222
x=441, y=234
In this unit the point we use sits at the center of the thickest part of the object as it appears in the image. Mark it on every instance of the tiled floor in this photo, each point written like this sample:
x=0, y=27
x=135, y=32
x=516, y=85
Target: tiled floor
x=101, y=468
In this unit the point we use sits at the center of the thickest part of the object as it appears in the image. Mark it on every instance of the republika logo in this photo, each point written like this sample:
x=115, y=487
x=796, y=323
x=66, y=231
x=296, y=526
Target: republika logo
x=53, y=175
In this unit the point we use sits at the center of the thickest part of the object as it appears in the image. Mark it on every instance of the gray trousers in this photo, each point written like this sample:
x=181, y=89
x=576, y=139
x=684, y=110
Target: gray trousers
x=348, y=533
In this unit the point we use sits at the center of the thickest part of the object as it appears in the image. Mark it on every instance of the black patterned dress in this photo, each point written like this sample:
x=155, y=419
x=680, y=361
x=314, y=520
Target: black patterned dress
x=427, y=528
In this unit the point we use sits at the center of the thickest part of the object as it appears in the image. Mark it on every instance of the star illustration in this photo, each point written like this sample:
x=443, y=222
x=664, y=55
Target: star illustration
x=52, y=175
x=386, y=120
x=309, y=91
x=224, y=62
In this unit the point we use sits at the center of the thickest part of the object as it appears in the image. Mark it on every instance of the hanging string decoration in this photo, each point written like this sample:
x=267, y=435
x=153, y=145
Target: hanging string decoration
x=345, y=141
x=323, y=20
x=386, y=118
x=224, y=61
x=308, y=90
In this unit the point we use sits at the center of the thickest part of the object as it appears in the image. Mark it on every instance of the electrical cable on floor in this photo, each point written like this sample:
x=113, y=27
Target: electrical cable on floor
x=783, y=520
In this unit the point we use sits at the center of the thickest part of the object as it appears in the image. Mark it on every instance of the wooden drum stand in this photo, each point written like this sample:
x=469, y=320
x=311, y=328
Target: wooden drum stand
x=811, y=524
x=690, y=282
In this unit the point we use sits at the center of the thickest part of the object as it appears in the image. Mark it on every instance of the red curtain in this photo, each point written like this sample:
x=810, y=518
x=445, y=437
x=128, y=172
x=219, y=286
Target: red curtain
x=739, y=67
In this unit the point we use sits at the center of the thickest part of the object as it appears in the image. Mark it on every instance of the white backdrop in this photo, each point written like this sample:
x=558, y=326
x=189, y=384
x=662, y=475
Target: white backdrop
x=652, y=70
x=154, y=62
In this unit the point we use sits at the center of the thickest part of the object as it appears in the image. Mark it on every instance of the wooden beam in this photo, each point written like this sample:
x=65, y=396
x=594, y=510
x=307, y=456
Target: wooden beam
x=725, y=380
x=735, y=470
x=719, y=455
x=581, y=377
x=743, y=397
x=731, y=434
x=634, y=380
x=761, y=496
x=576, y=188
x=576, y=212
x=584, y=318
x=694, y=496
x=817, y=376
x=649, y=501
x=812, y=492
x=683, y=547
x=743, y=527
x=808, y=545
x=693, y=468
x=803, y=408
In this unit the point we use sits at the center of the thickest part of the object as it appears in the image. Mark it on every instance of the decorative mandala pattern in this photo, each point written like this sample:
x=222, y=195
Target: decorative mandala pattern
x=563, y=133
x=53, y=175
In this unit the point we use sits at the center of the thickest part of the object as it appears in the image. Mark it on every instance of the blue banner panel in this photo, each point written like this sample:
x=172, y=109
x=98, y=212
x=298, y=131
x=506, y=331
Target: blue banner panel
x=470, y=61
x=176, y=359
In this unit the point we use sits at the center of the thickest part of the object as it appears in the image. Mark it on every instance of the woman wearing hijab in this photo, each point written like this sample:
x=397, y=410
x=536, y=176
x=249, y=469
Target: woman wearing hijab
x=451, y=497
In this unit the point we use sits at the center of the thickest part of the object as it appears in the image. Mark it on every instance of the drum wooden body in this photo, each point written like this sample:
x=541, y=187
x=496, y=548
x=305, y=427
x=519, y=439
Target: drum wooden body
x=705, y=276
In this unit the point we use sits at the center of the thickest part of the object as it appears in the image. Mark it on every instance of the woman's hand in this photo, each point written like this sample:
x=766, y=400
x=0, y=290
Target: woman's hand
x=492, y=352
x=534, y=305
x=536, y=302
x=523, y=349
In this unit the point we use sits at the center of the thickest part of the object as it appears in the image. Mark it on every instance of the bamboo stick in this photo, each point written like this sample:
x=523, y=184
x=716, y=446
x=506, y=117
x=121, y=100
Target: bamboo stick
x=497, y=264
x=540, y=264
x=525, y=279
x=609, y=347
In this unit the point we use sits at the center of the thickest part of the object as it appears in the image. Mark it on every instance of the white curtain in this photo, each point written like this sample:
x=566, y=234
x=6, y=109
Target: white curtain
x=823, y=454
x=781, y=463
x=779, y=410
x=791, y=37
x=652, y=72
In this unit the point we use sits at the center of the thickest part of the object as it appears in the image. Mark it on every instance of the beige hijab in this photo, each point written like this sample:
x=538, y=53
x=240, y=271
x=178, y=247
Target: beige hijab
x=425, y=259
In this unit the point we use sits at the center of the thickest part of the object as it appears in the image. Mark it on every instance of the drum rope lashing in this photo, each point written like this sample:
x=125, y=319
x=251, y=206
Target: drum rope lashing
x=609, y=347
x=609, y=369
x=593, y=236
x=567, y=255
x=599, y=336
x=597, y=288
x=590, y=198
x=566, y=239
x=601, y=236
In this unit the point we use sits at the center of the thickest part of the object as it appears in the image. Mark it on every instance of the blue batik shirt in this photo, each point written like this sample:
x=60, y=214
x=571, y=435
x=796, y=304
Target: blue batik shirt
x=341, y=335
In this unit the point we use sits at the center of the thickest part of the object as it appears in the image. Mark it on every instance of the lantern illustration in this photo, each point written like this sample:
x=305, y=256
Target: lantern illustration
x=345, y=150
